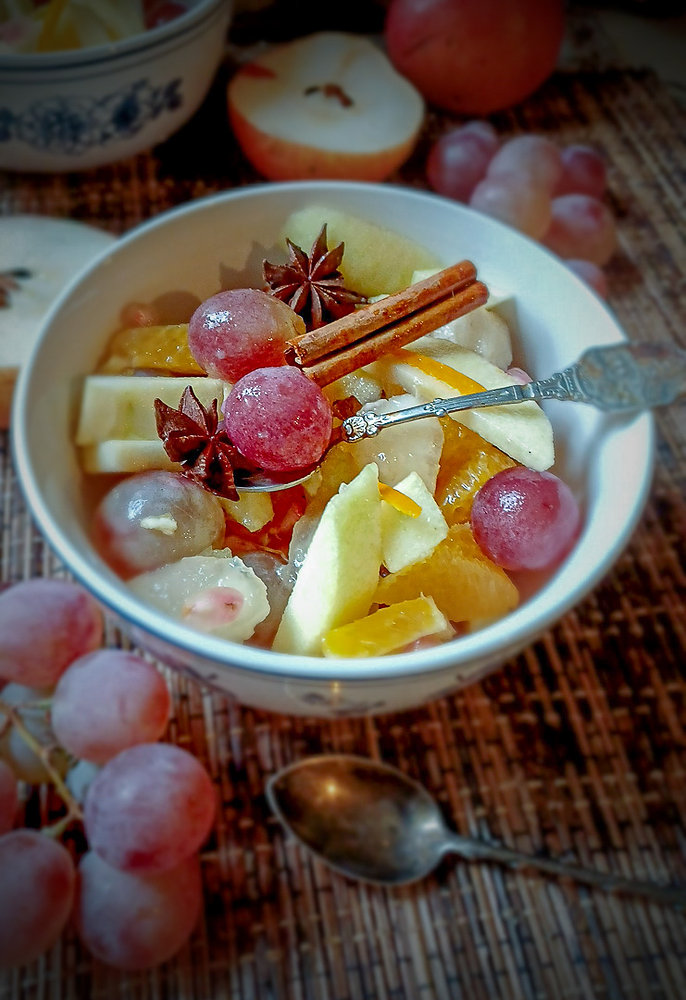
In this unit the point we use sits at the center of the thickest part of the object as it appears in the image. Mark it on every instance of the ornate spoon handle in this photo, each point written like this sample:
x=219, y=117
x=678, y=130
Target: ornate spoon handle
x=480, y=850
x=619, y=377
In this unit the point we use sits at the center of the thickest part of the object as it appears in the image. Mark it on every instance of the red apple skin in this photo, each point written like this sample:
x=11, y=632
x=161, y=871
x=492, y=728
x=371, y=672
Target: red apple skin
x=474, y=56
x=280, y=160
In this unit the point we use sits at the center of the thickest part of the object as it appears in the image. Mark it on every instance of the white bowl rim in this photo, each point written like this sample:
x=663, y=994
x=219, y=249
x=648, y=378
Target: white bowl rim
x=21, y=62
x=528, y=622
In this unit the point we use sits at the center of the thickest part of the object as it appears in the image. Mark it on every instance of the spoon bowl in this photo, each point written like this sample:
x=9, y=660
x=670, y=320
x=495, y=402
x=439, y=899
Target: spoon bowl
x=371, y=822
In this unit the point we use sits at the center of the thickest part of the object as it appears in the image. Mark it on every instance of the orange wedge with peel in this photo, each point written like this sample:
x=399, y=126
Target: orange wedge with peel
x=387, y=630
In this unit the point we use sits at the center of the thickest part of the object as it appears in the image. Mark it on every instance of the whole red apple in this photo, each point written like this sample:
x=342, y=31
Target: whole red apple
x=475, y=56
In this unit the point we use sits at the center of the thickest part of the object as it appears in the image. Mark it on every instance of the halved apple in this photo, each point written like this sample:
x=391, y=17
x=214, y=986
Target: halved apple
x=329, y=105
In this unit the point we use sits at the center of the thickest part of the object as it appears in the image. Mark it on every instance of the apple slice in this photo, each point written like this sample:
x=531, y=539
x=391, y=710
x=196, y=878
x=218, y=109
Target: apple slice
x=340, y=572
x=327, y=105
x=521, y=430
x=405, y=539
x=376, y=261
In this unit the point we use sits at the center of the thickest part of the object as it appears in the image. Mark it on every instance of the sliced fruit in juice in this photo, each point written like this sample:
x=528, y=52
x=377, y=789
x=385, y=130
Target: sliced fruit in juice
x=467, y=462
x=158, y=348
x=387, y=630
x=463, y=582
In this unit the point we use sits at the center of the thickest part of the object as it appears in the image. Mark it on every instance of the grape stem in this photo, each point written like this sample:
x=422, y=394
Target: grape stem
x=74, y=813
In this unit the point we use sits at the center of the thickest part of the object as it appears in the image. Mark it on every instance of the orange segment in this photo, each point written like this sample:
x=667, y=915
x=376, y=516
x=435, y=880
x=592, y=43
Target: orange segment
x=462, y=384
x=467, y=462
x=463, y=582
x=387, y=630
x=402, y=503
x=161, y=348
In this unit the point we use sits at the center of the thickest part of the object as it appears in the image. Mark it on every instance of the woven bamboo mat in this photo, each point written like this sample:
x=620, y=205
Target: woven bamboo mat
x=578, y=746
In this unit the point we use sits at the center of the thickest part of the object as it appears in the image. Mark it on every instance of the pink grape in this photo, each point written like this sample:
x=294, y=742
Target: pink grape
x=278, y=418
x=153, y=518
x=107, y=701
x=515, y=200
x=583, y=171
x=8, y=796
x=150, y=807
x=581, y=228
x=523, y=519
x=459, y=159
x=235, y=331
x=133, y=920
x=532, y=157
x=36, y=891
x=35, y=717
x=591, y=274
x=44, y=625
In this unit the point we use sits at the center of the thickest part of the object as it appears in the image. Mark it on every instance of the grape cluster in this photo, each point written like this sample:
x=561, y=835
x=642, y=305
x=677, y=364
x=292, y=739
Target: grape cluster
x=89, y=720
x=552, y=194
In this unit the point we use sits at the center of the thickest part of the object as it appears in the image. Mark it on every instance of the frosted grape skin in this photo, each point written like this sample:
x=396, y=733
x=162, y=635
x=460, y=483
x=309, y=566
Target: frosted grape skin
x=150, y=807
x=44, y=625
x=133, y=920
x=107, y=701
x=36, y=891
x=525, y=520
x=238, y=330
x=278, y=418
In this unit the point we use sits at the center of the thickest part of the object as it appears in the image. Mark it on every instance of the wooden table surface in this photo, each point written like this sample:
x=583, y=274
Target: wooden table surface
x=578, y=746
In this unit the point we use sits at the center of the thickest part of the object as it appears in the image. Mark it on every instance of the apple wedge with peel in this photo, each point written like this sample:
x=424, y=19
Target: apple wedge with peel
x=329, y=105
x=522, y=430
x=340, y=572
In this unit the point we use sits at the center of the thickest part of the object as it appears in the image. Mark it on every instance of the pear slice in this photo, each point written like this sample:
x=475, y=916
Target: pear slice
x=405, y=539
x=522, y=430
x=340, y=571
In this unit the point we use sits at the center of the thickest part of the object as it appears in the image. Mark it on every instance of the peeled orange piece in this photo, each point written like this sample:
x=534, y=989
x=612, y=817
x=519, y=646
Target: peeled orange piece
x=387, y=630
x=463, y=582
x=467, y=462
x=160, y=348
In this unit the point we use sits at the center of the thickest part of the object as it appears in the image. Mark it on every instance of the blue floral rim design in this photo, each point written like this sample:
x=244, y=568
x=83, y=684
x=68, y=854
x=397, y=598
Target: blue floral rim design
x=71, y=125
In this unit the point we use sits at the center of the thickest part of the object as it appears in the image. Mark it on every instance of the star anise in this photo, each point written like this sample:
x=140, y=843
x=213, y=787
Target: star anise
x=192, y=436
x=311, y=284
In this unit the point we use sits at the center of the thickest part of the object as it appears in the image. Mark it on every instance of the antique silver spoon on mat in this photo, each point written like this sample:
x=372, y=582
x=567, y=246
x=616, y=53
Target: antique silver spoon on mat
x=369, y=821
x=616, y=378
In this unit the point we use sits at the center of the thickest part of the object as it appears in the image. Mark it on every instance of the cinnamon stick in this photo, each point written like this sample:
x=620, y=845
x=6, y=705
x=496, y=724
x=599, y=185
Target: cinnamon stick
x=389, y=338
x=326, y=340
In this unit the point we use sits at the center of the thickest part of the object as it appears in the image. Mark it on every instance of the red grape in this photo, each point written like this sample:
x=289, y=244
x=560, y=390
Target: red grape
x=523, y=519
x=581, y=228
x=514, y=199
x=36, y=892
x=44, y=625
x=150, y=807
x=132, y=920
x=531, y=156
x=583, y=171
x=154, y=518
x=108, y=701
x=278, y=418
x=238, y=330
x=8, y=796
x=591, y=274
x=459, y=159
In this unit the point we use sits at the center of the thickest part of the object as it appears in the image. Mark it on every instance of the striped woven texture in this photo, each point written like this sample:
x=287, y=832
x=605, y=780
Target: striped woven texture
x=577, y=747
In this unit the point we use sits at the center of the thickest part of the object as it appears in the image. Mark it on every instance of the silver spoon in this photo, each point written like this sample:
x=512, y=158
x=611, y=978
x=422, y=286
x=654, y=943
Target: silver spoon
x=371, y=822
x=617, y=378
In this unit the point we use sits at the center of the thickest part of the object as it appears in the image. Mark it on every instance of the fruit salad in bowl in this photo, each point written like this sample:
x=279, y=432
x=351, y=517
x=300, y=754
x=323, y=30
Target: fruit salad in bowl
x=235, y=339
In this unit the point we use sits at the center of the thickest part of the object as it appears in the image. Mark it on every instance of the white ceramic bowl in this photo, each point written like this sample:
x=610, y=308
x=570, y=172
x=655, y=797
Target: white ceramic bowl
x=607, y=461
x=79, y=109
